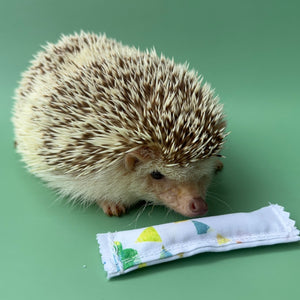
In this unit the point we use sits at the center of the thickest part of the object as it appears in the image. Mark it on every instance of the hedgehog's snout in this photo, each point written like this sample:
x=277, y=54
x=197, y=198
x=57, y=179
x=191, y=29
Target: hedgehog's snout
x=197, y=207
x=186, y=198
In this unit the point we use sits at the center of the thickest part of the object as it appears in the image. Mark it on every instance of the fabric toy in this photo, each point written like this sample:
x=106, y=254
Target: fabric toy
x=126, y=251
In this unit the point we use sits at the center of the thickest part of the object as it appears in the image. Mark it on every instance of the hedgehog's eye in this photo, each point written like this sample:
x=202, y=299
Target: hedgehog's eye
x=157, y=175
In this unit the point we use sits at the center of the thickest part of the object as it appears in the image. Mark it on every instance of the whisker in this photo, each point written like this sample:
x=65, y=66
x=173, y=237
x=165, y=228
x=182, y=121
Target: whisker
x=215, y=197
x=138, y=214
x=150, y=212
x=168, y=212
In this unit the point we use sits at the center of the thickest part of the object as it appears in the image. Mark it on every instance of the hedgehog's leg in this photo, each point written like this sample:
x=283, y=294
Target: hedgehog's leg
x=112, y=208
x=219, y=166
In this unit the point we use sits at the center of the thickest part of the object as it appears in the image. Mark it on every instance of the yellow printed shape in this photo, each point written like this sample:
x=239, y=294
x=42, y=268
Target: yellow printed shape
x=222, y=240
x=149, y=235
x=142, y=265
x=181, y=221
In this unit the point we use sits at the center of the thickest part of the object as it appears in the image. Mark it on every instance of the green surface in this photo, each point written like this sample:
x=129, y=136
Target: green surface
x=250, y=52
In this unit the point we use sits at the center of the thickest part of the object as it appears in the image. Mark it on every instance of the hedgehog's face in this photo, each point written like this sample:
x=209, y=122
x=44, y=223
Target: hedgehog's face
x=182, y=189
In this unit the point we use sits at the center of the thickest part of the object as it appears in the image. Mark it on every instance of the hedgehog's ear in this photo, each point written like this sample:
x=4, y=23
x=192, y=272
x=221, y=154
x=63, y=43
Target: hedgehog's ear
x=137, y=156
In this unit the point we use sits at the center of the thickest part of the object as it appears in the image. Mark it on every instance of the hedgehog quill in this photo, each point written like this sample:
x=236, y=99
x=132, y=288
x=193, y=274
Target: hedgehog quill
x=105, y=123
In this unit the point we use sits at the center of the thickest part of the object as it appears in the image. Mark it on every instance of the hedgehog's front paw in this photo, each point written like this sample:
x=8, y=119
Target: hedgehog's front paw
x=219, y=166
x=112, y=208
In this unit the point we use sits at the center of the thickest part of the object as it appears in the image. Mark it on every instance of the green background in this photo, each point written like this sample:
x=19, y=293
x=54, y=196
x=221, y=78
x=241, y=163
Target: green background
x=249, y=51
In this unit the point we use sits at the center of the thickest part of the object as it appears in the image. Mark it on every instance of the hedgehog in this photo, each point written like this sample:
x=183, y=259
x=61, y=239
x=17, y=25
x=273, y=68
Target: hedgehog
x=110, y=124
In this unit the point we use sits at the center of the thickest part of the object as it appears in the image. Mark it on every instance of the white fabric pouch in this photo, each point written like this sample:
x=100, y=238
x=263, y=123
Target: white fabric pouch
x=125, y=251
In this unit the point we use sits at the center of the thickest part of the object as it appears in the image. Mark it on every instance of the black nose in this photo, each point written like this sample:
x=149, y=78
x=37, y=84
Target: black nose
x=198, y=206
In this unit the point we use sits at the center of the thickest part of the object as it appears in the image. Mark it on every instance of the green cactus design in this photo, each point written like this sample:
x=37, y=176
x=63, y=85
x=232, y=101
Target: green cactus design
x=129, y=257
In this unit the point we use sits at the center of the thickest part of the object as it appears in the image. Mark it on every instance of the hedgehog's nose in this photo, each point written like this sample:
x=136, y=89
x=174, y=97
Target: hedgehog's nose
x=198, y=207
